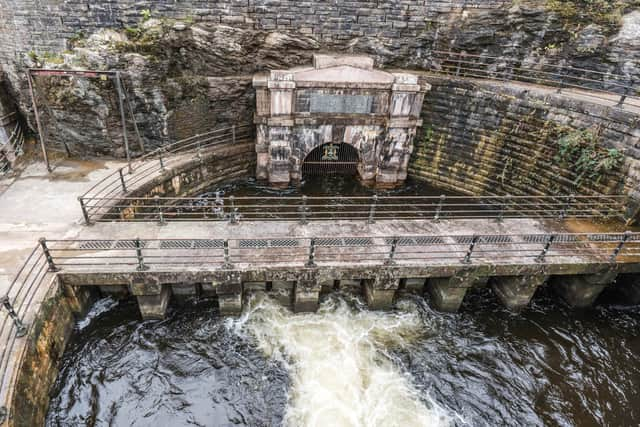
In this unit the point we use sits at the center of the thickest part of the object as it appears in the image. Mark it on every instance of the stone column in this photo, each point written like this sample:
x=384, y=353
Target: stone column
x=447, y=293
x=153, y=298
x=229, y=292
x=515, y=292
x=282, y=292
x=581, y=290
x=380, y=292
x=306, y=295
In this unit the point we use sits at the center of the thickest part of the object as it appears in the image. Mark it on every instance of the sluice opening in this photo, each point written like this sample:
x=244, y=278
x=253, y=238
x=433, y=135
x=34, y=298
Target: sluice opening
x=331, y=159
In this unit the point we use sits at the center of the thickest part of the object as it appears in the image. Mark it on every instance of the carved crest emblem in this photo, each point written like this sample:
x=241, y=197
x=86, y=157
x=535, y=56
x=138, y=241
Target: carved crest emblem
x=330, y=152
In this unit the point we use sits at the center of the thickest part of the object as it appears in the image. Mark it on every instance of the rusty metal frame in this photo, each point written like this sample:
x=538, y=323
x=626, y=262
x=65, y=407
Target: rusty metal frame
x=113, y=74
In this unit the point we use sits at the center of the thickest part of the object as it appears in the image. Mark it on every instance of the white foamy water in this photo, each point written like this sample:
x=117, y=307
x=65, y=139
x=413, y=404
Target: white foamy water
x=340, y=369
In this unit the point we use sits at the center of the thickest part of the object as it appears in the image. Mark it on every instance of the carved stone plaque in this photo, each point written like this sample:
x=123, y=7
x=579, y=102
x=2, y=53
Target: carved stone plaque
x=341, y=104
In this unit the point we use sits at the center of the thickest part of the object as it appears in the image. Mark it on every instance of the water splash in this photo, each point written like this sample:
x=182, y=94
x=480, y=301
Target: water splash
x=342, y=372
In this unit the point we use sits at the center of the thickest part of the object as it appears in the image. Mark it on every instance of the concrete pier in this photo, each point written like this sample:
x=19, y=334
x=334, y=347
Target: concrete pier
x=154, y=306
x=380, y=292
x=229, y=292
x=515, y=292
x=581, y=290
x=448, y=293
x=306, y=295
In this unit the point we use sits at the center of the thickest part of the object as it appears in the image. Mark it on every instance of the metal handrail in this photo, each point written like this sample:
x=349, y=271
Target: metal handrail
x=597, y=85
x=367, y=208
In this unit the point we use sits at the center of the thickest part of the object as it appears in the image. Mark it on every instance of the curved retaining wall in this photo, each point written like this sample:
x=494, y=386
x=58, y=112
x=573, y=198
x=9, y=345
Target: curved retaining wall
x=497, y=139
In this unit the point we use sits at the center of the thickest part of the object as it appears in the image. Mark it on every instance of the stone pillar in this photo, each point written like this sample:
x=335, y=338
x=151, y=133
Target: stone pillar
x=229, y=292
x=282, y=292
x=581, y=290
x=153, y=299
x=306, y=295
x=515, y=292
x=182, y=291
x=380, y=292
x=447, y=293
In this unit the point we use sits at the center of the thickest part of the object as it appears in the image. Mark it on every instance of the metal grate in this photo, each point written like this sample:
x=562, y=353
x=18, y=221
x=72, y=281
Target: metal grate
x=129, y=244
x=97, y=244
x=346, y=241
x=611, y=238
x=417, y=241
x=542, y=238
x=270, y=243
x=191, y=244
x=484, y=239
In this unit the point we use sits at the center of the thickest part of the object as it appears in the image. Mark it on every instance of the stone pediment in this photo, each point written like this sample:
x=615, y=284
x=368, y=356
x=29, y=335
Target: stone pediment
x=344, y=74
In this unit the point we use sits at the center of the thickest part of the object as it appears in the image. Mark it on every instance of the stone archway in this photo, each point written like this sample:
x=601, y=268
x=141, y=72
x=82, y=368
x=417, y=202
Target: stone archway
x=331, y=159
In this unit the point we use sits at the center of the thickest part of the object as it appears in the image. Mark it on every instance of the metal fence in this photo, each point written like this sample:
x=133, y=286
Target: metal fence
x=303, y=209
x=597, y=85
x=13, y=148
x=155, y=163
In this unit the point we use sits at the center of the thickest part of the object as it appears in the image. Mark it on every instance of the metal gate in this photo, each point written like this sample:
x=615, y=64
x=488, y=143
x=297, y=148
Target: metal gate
x=331, y=159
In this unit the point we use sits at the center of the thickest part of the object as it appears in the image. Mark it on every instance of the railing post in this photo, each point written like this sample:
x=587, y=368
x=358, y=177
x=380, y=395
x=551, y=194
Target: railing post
x=562, y=82
x=124, y=186
x=21, y=328
x=227, y=257
x=233, y=133
x=47, y=255
x=311, y=262
x=303, y=211
x=159, y=209
x=547, y=246
x=500, y=217
x=85, y=214
x=436, y=217
x=459, y=60
x=567, y=205
x=618, y=249
x=623, y=97
x=162, y=168
x=372, y=209
x=233, y=213
x=392, y=252
x=467, y=257
x=138, y=245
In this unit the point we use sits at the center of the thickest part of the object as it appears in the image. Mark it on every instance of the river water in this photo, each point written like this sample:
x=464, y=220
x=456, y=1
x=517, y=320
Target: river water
x=347, y=366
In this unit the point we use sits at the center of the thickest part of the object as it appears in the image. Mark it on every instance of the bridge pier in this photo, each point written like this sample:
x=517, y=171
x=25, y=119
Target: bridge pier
x=447, y=293
x=380, y=292
x=515, y=292
x=306, y=295
x=229, y=292
x=153, y=298
x=581, y=290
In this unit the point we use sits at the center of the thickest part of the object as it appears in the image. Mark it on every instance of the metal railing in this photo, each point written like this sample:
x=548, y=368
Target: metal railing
x=12, y=148
x=155, y=163
x=603, y=86
x=358, y=208
x=166, y=255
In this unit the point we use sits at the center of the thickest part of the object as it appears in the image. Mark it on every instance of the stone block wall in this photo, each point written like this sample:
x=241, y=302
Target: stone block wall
x=488, y=138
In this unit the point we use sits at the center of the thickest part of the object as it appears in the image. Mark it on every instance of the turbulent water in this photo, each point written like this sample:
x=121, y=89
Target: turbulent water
x=348, y=366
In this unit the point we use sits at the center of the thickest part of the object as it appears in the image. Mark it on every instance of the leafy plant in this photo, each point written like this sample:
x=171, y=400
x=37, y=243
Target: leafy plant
x=579, y=150
x=146, y=15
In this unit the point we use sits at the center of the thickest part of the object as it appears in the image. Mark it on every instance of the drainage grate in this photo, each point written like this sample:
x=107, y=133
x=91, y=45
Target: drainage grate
x=96, y=244
x=484, y=239
x=417, y=241
x=612, y=237
x=129, y=244
x=191, y=244
x=542, y=238
x=269, y=243
x=346, y=241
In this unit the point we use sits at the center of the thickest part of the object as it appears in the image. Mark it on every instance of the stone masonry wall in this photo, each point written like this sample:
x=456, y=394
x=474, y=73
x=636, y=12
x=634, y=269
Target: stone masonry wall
x=484, y=138
x=182, y=72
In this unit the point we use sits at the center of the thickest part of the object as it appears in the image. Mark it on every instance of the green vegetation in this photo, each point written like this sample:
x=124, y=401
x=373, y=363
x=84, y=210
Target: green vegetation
x=606, y=13
x=579, y=151
x=146, y=15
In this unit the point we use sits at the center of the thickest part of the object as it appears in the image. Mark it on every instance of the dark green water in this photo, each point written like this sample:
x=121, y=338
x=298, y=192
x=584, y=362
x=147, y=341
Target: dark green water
x=483, y=366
